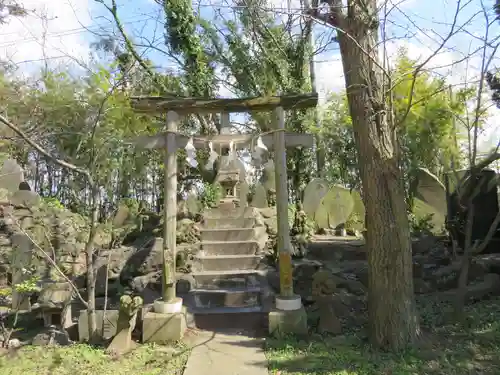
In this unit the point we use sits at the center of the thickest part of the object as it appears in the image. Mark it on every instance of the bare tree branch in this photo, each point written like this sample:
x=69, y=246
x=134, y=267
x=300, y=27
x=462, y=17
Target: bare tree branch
x=42, y=151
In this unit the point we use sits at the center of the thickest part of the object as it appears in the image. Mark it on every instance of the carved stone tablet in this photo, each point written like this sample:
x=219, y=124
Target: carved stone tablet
x=259, y=199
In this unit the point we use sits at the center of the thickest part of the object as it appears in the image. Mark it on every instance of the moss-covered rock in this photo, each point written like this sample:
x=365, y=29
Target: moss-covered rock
x=54, y=231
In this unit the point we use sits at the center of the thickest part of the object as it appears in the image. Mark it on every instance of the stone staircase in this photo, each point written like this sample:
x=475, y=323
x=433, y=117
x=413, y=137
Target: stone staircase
x=228, y=272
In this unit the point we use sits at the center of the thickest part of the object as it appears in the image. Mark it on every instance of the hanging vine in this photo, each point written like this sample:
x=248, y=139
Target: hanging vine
x=183, y=39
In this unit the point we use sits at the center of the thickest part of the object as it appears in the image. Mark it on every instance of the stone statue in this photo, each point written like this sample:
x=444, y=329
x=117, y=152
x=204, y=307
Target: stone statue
x=323, y=289
x=127, y=317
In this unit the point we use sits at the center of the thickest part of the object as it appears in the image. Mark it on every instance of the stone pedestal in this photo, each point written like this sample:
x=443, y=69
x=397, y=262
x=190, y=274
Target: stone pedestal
x=289, y=317
x=166, y=323
x=106, y=327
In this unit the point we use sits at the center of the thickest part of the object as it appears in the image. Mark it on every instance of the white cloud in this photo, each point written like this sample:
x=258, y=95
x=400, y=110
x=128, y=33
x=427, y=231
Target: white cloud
x=59, y=20
x=448, y=63
x=329, y=76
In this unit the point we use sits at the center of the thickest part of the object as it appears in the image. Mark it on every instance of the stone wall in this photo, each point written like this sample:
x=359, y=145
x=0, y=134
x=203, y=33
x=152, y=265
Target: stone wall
x=62, y=234
x=53, y=230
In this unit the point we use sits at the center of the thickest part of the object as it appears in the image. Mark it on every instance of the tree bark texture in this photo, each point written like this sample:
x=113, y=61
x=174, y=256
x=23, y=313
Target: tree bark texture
x=91, y=271
x=392, y=312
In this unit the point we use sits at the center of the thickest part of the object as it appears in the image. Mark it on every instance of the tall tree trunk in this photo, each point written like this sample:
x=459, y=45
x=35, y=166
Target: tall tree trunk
x=91, y=271
x=38, y=178
x=391, y=302
x=50, y=180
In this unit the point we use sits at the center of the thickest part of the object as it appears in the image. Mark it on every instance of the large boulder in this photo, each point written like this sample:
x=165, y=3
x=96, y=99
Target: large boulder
x=61, y=234
x=54, y=231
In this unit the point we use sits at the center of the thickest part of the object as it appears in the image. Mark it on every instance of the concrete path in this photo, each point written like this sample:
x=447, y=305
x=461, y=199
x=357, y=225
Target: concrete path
x=225, y=354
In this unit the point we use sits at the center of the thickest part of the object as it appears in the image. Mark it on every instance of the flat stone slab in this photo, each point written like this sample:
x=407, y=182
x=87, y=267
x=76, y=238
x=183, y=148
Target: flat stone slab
x=226, y=262
x=229, y=223
x=226, y=354
x=228, y=279
x=110, y=324
x=230, y=297
x=227, y=234
x=229, y=247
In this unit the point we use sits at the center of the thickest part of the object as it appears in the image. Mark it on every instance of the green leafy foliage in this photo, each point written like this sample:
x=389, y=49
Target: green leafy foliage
x=53, y=203
x=263, y=58
x=88, y=122
x=87, y=359
x=425, y=127
x=355, y=223
x=210, y=195
x=183, y=38
x=30, y=284
x=421, y=225
x=445, y=348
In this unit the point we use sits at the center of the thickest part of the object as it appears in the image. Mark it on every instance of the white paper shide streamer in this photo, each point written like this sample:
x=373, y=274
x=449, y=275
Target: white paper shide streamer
x=191, y=153
x=212, y=157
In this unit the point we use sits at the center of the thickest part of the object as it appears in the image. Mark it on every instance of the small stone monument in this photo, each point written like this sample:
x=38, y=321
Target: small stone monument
x=243, y=191
x=21, y=260
x=323, y=289
x=127, y=317
x=259, y=198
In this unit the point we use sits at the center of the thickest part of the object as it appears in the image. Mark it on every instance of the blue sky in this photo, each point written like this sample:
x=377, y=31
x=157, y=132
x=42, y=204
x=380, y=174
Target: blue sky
x=419, y=26
x=415, y=25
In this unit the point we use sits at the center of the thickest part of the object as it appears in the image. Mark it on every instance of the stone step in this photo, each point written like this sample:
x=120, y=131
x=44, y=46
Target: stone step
x=228, y=223
x=228, y=279
x=230, y=212
x=227, y=310
x=229, y=297
x=226, y=262
x=229, y=248
x=227, y=234
x=251, y=321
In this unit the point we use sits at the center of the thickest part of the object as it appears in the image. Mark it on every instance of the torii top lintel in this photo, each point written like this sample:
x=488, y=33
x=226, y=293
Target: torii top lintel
x=185, y=106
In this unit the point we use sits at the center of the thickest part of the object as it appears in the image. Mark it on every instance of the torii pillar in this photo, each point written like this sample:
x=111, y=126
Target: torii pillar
x=289, y=316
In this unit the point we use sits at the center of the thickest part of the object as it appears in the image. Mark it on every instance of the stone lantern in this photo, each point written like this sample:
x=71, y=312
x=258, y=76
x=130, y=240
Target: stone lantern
x=231, y=172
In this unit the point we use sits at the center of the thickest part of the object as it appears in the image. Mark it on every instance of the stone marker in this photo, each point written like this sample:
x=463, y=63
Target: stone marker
x=106, y=326
x=268, y=175
x=243, y=190
x=127, y=318
x=323, y=289
x=192, y=204
x=259, y=199
x=313, y=195
x=21, y=260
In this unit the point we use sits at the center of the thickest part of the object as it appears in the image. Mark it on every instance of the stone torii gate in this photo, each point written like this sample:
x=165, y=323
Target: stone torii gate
x=171, y=141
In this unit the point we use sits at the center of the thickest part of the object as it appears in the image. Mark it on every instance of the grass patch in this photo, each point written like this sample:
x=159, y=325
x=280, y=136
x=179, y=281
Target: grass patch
x=83, y=359
x=446, y=348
